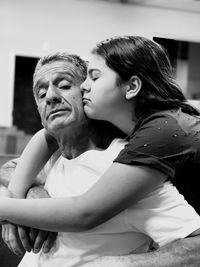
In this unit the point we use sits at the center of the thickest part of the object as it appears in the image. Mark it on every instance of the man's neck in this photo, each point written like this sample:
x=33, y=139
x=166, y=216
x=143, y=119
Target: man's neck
x=75, y=141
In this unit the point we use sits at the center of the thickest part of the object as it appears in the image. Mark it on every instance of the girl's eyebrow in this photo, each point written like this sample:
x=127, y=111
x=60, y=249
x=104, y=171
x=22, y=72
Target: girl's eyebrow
x=91, y=70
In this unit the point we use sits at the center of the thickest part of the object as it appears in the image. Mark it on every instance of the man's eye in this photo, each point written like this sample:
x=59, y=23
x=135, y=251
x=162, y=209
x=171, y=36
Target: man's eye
x=64, y=85
x=41, y=93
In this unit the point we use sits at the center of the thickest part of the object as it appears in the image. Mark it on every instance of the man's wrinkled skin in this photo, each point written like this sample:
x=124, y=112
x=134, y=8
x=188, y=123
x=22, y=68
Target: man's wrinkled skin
x=19, y=238
x=6, y=172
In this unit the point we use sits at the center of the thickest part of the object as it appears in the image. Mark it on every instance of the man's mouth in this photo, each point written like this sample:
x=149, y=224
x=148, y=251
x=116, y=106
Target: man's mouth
x=56, y=112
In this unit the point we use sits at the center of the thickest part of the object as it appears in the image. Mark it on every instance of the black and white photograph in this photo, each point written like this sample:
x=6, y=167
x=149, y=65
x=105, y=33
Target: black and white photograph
x=99, y=133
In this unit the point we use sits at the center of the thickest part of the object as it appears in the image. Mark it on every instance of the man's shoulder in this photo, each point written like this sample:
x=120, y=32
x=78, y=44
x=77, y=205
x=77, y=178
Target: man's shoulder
x=116, y=146
x=53, y=159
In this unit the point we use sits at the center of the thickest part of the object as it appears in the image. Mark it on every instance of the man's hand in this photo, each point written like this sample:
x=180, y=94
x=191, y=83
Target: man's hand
x=18, y=238
x=40, y=239
x=10, y=233
x=10, y=236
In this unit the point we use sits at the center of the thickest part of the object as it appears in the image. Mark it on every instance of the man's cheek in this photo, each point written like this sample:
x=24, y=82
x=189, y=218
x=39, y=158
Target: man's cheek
x=41, y=111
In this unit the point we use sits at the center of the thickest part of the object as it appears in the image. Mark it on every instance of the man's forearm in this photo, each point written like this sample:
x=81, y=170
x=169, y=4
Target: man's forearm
x=181, y=253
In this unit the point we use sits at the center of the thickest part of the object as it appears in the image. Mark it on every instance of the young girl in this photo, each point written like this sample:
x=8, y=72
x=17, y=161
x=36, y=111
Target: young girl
x=129, y=84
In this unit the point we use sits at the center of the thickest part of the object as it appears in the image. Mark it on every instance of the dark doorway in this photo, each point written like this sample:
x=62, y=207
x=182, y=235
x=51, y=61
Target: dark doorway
x=25, y=114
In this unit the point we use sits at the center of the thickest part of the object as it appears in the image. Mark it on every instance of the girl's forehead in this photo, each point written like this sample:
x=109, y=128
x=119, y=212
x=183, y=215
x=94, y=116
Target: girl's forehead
x=96, y=62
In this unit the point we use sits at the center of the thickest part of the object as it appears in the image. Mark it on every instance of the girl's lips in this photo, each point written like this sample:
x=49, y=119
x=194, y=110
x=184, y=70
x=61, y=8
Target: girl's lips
x=85, y=100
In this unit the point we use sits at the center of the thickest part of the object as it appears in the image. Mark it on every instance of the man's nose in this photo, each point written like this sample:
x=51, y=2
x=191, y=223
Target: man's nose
x=85, y=87
x=52, y=95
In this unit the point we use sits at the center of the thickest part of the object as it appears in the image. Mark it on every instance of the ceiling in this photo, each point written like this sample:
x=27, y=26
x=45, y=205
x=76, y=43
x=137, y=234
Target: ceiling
x=184, y=5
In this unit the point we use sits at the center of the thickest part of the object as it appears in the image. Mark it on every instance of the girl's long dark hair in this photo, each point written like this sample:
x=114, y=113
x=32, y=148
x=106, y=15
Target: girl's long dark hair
x=135, y=55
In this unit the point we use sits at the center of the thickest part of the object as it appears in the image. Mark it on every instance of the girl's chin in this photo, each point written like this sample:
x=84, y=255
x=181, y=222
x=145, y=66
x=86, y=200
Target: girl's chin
x=87, y=111
x=91, y=114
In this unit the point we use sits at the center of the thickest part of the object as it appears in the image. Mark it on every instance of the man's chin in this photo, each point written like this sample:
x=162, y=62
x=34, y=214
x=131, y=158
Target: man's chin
x=54, y=129
x=56, y=126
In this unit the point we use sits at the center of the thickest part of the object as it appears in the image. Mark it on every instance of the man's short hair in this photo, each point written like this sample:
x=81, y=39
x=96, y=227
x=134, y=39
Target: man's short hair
x=79, y=63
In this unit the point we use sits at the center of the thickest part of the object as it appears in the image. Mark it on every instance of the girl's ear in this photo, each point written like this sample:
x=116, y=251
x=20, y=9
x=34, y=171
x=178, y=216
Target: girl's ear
x=133, y=87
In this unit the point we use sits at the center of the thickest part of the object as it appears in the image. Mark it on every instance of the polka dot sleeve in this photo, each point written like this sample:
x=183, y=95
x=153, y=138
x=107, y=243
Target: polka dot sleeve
x=160, y=142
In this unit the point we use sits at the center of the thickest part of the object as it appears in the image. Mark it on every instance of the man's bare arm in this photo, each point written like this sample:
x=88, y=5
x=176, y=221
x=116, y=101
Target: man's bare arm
x=180, y=253
x=6, y=172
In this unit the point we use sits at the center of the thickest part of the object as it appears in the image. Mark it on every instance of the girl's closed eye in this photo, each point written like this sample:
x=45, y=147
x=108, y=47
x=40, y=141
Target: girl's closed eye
x=95, y=75
x=94, y=78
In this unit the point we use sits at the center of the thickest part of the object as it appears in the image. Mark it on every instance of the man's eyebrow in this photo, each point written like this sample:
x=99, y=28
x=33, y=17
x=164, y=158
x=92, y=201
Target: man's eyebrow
x=62, y=75
x=40, y=81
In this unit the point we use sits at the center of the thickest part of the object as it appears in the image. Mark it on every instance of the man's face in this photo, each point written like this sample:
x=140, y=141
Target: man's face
x=58, y=96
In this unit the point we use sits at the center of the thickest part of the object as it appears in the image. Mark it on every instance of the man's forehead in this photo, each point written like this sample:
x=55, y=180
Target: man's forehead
x=57, y=67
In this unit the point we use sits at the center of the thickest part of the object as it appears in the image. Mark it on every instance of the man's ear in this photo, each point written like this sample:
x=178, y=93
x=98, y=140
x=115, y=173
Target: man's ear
x=133, y=87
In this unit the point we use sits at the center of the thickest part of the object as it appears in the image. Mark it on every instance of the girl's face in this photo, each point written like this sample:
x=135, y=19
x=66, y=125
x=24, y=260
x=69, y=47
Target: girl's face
x=102, y=97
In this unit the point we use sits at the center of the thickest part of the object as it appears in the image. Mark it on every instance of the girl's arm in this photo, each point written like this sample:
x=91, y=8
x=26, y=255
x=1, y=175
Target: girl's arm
x=35, y=155
x=121, y=186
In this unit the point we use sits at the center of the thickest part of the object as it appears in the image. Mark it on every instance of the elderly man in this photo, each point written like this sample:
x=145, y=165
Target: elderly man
x=63, y=72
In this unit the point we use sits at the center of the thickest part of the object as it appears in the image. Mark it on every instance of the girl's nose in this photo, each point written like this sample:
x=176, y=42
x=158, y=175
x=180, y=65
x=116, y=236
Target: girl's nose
x=85, y=87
